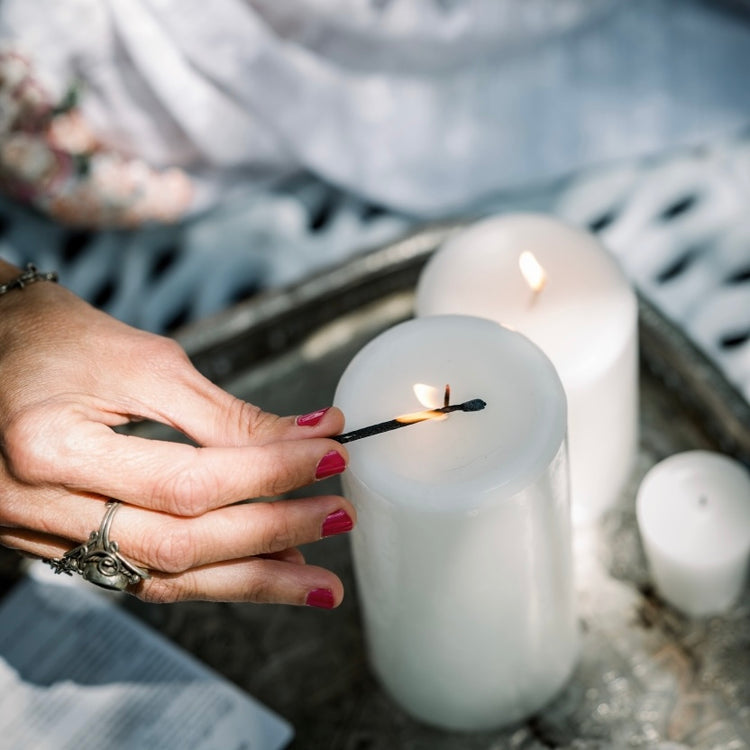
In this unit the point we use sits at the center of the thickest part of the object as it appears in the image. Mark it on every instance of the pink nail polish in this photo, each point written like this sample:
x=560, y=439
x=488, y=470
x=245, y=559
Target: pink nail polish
x=332, y=463
x=337, y=522
x=322, y=598
x=313, y=418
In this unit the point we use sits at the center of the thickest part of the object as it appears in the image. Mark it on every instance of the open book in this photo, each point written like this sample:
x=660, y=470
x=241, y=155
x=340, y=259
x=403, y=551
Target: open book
x=78, y=672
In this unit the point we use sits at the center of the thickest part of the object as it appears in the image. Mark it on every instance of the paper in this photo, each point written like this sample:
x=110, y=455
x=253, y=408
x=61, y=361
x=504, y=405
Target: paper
x=77, y=672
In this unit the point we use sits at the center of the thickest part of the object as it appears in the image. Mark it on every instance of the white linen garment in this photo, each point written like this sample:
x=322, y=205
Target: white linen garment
x=424, y=106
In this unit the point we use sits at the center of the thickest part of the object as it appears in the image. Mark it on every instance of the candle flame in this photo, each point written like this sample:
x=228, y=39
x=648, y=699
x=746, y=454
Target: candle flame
x=532, y=271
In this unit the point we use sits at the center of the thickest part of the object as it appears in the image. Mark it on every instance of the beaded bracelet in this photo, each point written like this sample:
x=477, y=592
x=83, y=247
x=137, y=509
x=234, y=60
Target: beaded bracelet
x=29, y=276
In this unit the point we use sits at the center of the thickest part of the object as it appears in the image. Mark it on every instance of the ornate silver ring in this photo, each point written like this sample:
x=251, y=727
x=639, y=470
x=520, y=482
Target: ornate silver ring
x=99, y=560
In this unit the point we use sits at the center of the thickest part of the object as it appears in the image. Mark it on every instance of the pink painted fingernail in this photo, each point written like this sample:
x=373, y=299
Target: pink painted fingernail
x=322, y=598
x=332, y=463
x=337, y=522
x=313, y=418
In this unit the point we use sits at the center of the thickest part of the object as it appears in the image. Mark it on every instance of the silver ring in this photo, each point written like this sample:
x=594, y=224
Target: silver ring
x=99, y=560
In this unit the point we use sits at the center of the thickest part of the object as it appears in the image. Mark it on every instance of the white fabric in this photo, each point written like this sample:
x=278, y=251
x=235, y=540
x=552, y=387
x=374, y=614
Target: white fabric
x=422, y=105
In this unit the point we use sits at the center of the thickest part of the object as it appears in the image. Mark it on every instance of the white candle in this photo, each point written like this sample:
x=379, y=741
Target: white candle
x=693, y=513
x=462, y=546
x=582, y=313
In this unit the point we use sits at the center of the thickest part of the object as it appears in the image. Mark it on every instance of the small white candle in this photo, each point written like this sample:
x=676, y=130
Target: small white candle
x=579, y=309
x=462, y=547
x=693, y=513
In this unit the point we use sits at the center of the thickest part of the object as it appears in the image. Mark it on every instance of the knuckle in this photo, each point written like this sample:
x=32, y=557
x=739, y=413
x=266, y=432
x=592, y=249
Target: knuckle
x=261, y=588
x=163, y=355
x=169, y=351
x=254, y=420
x=277, y=532
x=187, y=492
x=32, y=447
x=162, y=591
x=172, y=551
x=284, y=477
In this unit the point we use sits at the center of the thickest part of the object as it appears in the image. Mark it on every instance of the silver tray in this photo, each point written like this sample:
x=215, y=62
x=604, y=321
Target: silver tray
x=647, y=676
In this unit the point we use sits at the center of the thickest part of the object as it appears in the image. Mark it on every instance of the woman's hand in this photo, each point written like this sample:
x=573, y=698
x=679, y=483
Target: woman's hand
x=69, y=374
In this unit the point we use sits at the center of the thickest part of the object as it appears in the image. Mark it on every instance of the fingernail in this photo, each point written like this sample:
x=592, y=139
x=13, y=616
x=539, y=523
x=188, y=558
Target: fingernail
x=336, y=523
x=311, y=419
x=332, y=463
x=322, y=598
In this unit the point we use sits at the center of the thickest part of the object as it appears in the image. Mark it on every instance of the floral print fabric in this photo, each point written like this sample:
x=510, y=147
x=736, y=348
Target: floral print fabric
x=51, y=159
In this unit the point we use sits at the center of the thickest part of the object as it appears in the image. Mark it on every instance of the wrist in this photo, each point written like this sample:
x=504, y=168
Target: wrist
x=22, y=300
x=30, y=275
x=26, y=307
x=8, y=271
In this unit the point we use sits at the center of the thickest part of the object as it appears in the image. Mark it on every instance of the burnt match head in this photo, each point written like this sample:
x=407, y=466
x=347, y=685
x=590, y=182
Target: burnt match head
x=476, y=404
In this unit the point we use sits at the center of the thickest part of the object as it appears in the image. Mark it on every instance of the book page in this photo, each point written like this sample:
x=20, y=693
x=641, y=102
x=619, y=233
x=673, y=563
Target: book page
x=78, y=672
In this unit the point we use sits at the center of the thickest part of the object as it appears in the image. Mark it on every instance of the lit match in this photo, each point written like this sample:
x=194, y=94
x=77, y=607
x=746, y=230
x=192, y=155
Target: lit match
x=475, y=404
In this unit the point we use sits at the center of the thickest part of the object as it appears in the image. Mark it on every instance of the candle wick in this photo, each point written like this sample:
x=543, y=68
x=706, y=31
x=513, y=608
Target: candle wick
x=534, y=296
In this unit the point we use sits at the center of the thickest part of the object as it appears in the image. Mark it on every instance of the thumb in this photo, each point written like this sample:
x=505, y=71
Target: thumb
x=213, y=417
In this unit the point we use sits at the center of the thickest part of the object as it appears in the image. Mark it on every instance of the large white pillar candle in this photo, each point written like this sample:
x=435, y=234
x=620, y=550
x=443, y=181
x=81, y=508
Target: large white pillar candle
x=462, y=549
x=693, y=513
x=559, y=287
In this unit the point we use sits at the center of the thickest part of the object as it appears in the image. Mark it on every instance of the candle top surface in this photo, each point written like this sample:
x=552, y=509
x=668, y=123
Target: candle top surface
x=695, y=508
x=582, y=314
x=454, y=460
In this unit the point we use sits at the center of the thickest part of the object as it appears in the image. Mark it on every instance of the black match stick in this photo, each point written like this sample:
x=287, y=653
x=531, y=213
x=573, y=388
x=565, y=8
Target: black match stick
x=476, y=404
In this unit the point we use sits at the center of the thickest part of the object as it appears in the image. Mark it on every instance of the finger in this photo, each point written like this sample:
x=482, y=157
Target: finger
x=257, y=579
x=178, y=395
x=178, y=545
x=291, y=555
x=171, y=477
x=213, y=417
x=33, y=543
x=169, y=544
x=40, y=546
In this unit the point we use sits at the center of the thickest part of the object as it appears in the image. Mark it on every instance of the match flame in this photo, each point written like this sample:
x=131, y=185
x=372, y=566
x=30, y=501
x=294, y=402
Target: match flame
x=430, y=397
x=532, y=271
x=420, y=416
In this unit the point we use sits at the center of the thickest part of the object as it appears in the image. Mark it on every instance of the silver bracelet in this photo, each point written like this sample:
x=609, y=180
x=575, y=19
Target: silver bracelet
x=29, y=276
